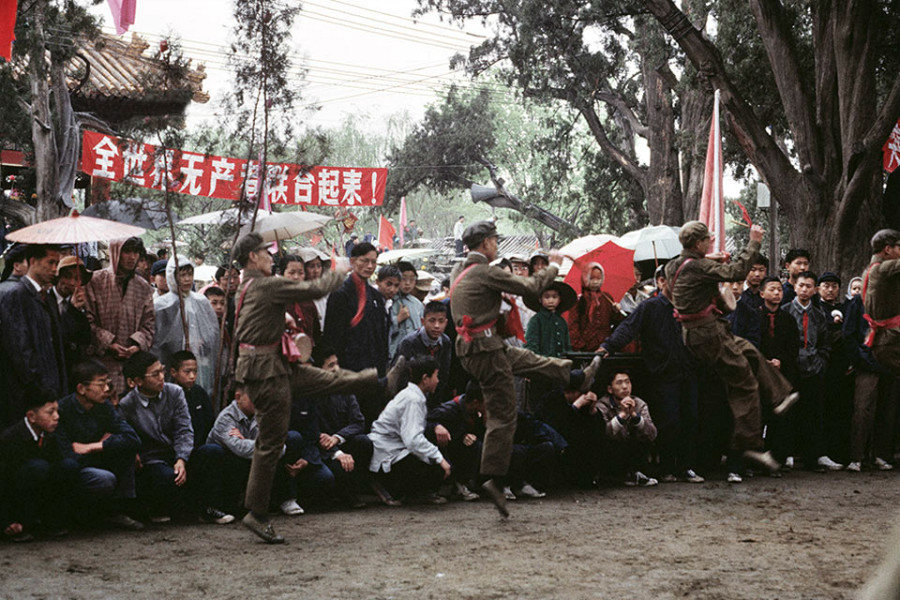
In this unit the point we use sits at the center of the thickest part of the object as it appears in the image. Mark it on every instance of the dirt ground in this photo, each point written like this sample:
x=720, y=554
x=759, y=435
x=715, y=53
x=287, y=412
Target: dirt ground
x=804, y=536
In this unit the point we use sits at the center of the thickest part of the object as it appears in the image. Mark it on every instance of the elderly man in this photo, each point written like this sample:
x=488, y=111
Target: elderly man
x=694, y=278
x=476, y=295
x=267, y=375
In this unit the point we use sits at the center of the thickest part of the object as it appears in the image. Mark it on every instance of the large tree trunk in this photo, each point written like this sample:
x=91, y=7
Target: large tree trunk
x=832, y=202
x=42, y=131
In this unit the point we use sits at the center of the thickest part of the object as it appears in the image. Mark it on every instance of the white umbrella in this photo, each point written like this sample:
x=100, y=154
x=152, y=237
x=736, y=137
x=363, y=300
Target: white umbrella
x=581, y=246
x=205, y=273
x=285, y=225
x=272, y=226
x=404, y=254
x=657, y=242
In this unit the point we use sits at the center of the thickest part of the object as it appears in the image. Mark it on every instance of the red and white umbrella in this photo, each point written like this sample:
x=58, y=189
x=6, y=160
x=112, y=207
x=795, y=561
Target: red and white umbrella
x=74, y=229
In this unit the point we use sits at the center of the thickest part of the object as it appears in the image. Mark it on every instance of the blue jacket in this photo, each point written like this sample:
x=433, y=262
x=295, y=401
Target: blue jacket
x=745, y=320
x=662, y=347
x=88, y=426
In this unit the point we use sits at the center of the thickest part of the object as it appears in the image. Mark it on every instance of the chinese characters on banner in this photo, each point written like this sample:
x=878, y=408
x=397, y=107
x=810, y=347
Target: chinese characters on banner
x=892, y=149
x=185, y=172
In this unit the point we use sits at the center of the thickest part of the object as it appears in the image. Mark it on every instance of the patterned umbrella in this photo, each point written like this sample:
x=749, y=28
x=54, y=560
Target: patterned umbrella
x=73, y=229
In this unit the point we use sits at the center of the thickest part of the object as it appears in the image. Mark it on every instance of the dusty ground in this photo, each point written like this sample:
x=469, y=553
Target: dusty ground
x=805, y=536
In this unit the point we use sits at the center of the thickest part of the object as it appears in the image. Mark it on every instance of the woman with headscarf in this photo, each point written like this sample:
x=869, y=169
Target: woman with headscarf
x=202, y=324
x=593, y=316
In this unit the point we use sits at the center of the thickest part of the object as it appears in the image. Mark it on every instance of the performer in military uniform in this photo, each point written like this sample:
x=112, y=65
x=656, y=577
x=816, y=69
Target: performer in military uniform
x=881, y=297
x=694, y=279
x=475, y=298
x=268, y=375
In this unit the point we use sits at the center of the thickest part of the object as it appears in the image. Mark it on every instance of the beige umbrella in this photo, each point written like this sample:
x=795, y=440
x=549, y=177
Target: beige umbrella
x=74, y=229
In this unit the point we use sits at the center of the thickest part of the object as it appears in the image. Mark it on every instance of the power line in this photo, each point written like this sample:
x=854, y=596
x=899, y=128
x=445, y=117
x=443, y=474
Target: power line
x=416, y=21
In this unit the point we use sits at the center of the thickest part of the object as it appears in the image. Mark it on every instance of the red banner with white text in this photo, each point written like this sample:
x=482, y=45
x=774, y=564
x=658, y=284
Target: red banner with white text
x=199, y=174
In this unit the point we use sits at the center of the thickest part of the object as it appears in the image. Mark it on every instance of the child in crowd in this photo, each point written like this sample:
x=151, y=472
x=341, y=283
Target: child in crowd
x=815, y=348
x=629, y=430
x=411, y=466
x=548, y=333
x=406, y=311
x=37, y=480
x=430, y=340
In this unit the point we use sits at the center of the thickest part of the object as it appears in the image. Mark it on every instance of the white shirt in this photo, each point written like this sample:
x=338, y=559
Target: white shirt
x=400, y=431
x=458, y=230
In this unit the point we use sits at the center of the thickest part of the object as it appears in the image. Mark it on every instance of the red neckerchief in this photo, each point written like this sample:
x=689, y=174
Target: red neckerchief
x=360, y=299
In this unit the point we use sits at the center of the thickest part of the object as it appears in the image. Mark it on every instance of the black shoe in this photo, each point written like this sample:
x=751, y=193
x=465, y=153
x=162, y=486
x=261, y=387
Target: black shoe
x=263, y=530
x=22, y=537
x=122, y=521
x=383, y=494
x=213, y=515
x=496, y=495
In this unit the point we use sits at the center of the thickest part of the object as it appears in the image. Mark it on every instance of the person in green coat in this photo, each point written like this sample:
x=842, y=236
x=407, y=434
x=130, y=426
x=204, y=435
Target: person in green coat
x=548, y=332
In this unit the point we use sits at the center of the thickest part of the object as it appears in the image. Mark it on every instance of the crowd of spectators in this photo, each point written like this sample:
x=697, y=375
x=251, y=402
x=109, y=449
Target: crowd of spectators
x=118, y=405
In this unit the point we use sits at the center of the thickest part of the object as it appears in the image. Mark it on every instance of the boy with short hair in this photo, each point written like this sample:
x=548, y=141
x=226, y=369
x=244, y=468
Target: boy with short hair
x=430, y=340
x=812, y=358
x=218, y=301
x=411, y=465
x=547, y=333
x=629, y=430
x=796, y=261
x=406, y=311
x=98, y=438
x=37, y=480
x=159, y=414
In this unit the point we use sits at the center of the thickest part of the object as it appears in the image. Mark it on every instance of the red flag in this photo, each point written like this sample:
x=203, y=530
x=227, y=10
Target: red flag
x=712, y=204
x=744, y=213
x=891, y=149
x=403, y=221
x=8, y=9
x=386, y=233
x=122, y=14
x=333, y=257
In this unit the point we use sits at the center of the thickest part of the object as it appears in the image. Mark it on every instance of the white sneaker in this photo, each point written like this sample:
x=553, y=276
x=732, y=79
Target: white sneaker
x=734, y=478
x=883, y=465
x=529, y=491
x=828, y=464
x=788, y=463
x=465, y=493
x=691, y=476
x=855, y=466
x=508, y=493
x=641, y=480
x=291, y=508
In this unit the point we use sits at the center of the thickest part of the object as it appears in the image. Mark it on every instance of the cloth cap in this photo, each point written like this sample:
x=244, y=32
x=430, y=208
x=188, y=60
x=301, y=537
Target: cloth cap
x=478, y=232
x=307, y=254
x=71, y=261
x=828, y=276
x=250, y=242
x=517, y=258
x=692, y=232
x=158, y=267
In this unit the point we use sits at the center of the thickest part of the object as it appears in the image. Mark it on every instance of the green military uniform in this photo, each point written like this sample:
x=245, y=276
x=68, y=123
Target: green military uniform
x=268, y=375
x=881, y=297
x=749, y=378
x=475, y=304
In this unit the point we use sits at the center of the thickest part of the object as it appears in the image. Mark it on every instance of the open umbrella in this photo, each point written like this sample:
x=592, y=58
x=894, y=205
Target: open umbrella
x=581, y=246
x=618, y=266
x=386, y=258
x=658, y=242
x=73, y=229
x=272, y=226
x=139, y=212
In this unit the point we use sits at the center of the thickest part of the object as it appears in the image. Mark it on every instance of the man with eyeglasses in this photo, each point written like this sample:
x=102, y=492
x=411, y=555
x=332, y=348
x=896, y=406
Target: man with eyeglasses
x=104, y=445
x=881, y=297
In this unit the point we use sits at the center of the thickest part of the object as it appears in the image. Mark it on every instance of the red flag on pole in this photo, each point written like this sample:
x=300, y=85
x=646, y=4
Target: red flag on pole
x=403, y=221
x=8, y=10
x=712, y=204
x=386, y=233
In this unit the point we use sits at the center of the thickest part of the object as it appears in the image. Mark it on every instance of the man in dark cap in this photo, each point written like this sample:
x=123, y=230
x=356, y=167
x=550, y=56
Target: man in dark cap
x=881, y=297
x=158, y=278
x=475, y=299
x=268, y=375
x=693, y=278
